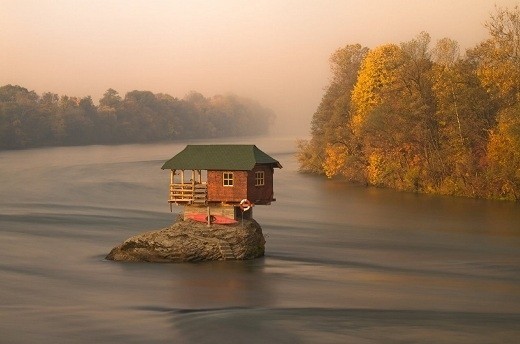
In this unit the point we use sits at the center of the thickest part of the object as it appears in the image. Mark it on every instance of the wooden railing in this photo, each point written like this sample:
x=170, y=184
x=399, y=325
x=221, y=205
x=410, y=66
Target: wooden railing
x=188, y=193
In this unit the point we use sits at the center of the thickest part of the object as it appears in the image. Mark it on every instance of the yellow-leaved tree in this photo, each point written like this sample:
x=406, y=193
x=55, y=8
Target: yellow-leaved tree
x=335, y=160
x=504, y=155
x=465, y=115
x=499, y=56
x=499, y=72
x=379, y=70
x=330, y=122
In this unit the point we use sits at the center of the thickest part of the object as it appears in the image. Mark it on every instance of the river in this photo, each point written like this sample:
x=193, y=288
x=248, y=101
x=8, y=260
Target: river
x=343, y=263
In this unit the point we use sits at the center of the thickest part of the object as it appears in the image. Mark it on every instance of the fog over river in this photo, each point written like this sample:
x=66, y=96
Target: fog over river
x=343, y=263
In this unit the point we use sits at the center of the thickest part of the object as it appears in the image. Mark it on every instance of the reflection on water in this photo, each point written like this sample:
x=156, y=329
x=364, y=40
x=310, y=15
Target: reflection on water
x=343, y=263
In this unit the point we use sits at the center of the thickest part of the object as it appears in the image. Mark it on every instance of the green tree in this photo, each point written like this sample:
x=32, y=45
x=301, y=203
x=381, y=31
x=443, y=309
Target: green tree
x=107, y=114
x=111, y=100
x=27, y=120
x=504, y=155
x=18, y=116
x=138, y=116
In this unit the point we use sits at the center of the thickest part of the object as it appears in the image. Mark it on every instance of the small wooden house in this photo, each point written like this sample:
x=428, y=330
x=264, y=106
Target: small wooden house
x=220, y=177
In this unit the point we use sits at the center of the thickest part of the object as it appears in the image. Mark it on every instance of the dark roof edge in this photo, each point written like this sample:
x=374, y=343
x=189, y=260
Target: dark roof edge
x=256, y=156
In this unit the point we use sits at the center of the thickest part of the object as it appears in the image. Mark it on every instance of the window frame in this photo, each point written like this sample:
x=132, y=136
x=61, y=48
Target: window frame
x=228, y=179
x=259, y=178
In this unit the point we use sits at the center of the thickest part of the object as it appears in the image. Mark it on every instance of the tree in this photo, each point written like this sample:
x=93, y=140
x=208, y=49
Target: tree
x=446, y=52
x=27, y=120
x=498, y=68
x=106, y=120
x=18, y=116
x=111, y=100
x=378, y=71
x=465, y=115
x=425, y=120
x=393, y=119
x=504, y=155
x=499, y=56
x=331, y=122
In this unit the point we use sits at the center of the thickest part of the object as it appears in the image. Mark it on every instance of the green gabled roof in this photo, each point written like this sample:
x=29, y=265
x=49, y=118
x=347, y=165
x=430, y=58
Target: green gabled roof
x=219, y=157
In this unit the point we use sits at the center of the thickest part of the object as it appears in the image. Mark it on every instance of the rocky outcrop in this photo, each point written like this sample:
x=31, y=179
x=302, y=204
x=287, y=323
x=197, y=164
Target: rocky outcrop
x=191, y=241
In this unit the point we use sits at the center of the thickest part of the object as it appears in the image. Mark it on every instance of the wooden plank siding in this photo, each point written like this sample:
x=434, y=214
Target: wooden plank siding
x=260, y=194
x=243, y=186
x=218, y=192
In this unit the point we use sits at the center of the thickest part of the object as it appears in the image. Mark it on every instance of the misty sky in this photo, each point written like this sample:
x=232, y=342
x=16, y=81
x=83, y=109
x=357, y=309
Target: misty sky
x=273, y=51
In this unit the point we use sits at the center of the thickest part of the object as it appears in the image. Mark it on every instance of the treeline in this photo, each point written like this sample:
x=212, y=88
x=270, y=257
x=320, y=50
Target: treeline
x=426, y=119
x=29, y=120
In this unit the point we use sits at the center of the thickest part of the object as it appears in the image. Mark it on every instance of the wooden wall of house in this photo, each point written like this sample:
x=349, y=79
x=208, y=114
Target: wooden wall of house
x=260, y=194
x=217, y=192
x=244, y=186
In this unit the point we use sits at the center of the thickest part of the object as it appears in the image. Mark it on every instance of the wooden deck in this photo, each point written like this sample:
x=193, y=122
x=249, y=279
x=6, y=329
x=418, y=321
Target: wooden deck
x=188, y=193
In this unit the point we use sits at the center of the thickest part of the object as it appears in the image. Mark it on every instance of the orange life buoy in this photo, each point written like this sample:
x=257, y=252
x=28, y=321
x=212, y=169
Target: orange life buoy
x=245, y=205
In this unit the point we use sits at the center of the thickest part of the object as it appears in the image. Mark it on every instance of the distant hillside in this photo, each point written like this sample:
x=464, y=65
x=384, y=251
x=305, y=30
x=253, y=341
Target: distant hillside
x=29, y=120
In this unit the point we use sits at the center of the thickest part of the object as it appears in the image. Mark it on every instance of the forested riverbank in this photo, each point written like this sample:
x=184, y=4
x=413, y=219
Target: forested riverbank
x=30, y=120
x=423, y=118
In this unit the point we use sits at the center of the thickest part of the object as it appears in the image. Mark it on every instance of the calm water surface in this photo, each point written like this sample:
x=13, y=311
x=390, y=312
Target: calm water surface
x=343, y=264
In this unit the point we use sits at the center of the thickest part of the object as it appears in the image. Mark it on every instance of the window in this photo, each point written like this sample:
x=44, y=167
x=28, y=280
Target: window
x=259, y=178
x=227, y=178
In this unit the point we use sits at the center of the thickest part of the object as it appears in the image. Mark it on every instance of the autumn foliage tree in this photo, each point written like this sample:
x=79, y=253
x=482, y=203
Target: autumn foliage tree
x=499, y=71
x=331, y=123
x=423, y=118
